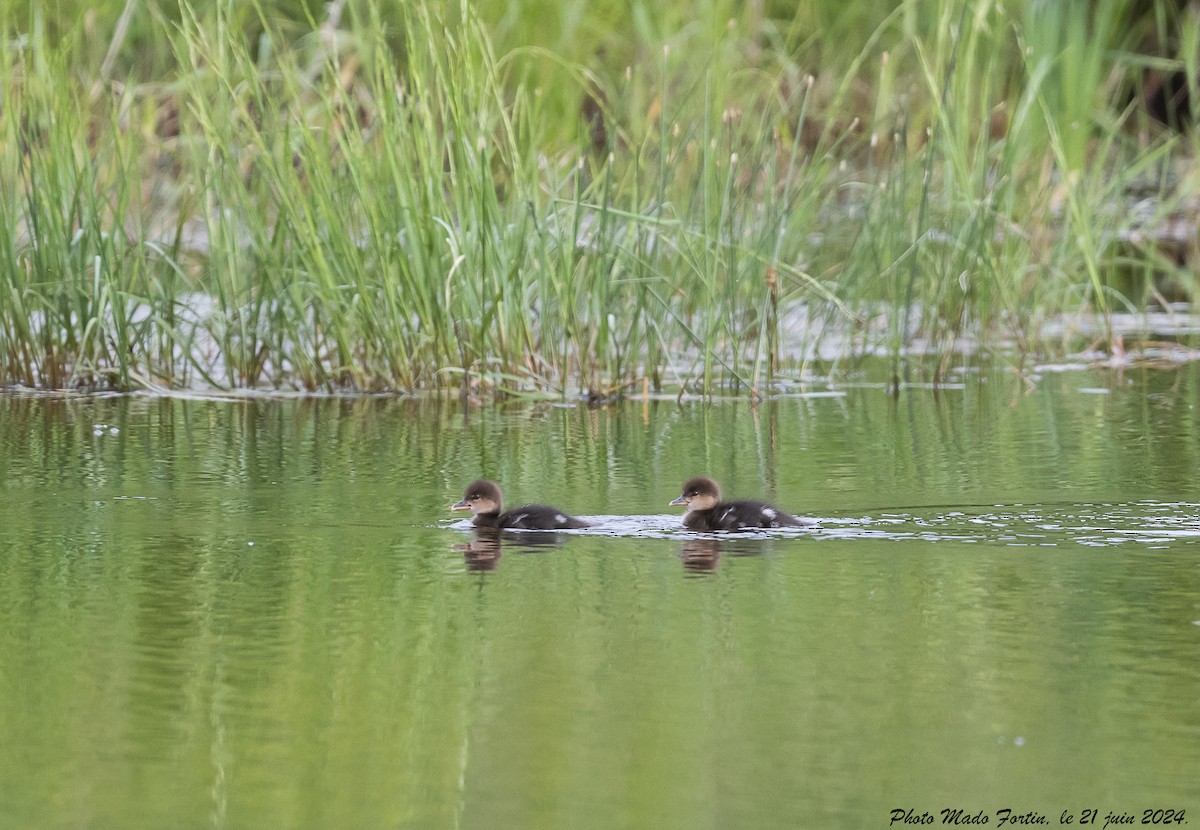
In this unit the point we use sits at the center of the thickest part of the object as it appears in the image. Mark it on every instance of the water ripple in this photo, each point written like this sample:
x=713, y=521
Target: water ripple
x=1016, y=525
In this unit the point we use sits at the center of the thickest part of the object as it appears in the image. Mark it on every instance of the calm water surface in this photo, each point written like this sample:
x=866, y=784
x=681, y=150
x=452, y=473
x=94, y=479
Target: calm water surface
x=261, y=614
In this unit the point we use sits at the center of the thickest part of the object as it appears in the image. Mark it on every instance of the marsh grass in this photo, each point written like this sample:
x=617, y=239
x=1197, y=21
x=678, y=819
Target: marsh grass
x=372, y=201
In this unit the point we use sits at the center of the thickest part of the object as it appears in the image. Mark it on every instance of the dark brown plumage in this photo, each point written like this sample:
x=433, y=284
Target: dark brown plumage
x=706, y=512
x=484, y=499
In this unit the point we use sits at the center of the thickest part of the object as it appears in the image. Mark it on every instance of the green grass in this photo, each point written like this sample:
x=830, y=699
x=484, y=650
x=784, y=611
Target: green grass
x=241, y=195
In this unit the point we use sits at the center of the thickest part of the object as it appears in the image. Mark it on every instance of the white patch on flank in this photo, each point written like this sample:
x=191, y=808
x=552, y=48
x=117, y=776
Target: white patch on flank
x=561, y=519
x=769, y=513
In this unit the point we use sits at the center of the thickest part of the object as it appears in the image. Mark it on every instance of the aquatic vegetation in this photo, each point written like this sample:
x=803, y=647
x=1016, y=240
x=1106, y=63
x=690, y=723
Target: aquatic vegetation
x=423, y=196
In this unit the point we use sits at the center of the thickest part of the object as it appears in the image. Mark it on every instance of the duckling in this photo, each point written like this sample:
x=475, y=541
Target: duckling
x=484, y=499
x=706, y=511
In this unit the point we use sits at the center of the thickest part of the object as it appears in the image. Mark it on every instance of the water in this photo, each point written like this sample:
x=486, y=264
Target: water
x=261, y=613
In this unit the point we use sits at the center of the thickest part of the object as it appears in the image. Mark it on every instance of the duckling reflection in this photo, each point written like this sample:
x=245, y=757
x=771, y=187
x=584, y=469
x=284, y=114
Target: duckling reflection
x=487, y=545
x=703, y=555
x=482, y=553
x=700, y=555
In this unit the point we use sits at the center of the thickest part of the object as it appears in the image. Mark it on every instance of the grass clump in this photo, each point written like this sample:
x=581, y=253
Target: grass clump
x=416, y=196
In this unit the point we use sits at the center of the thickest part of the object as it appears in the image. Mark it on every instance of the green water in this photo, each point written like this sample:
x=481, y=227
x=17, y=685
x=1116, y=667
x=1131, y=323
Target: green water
x=260, y=614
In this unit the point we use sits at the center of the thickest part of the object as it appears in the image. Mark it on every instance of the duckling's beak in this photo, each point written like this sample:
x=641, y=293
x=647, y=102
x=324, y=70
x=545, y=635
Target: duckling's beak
x=680, y=500
x=460, y=505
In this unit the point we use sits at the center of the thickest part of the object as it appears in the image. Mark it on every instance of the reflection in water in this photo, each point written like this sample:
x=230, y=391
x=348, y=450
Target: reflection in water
x=216, y=652
x=482, y=553
x=700, y=555
x=704, y=554
x=487, y=545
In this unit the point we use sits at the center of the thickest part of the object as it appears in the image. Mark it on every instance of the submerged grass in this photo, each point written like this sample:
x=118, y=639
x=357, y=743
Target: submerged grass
x=381, y=199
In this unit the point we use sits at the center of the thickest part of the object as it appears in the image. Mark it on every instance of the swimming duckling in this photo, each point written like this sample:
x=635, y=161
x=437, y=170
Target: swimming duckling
x=706, y=511
x=484, y=499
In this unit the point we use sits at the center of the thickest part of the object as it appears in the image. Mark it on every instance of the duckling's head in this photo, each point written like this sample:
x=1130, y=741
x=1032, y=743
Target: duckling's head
x=699, y=493
x=481, y=496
